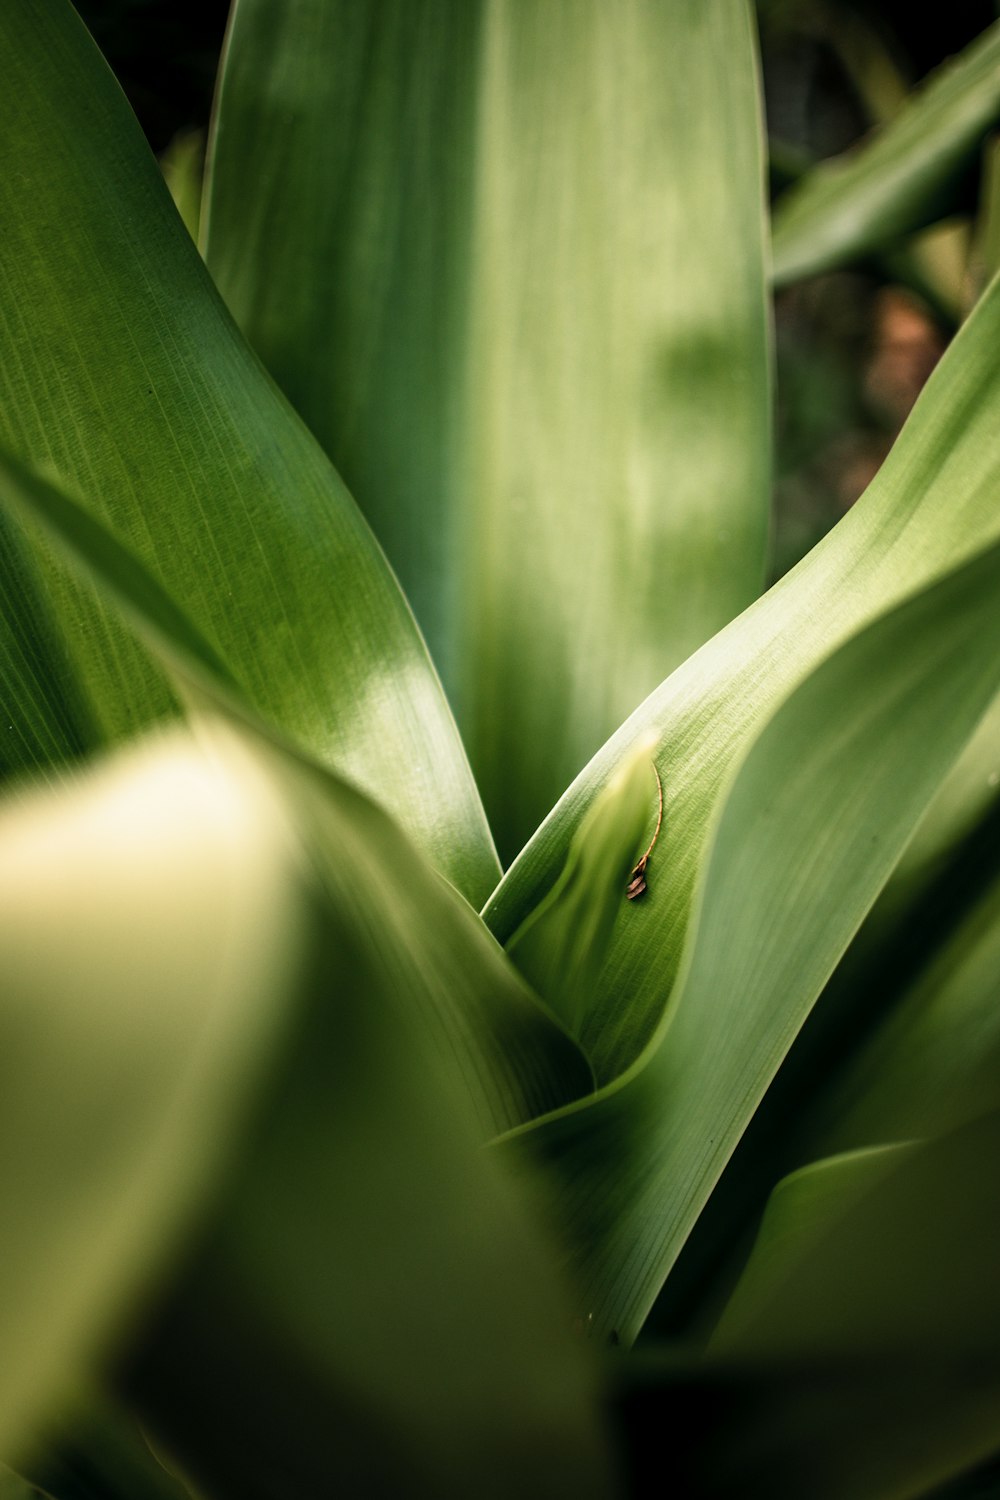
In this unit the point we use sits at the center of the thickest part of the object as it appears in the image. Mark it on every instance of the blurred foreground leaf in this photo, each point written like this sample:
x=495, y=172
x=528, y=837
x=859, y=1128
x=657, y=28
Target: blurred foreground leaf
x=130, y=1044
x=230, y=1053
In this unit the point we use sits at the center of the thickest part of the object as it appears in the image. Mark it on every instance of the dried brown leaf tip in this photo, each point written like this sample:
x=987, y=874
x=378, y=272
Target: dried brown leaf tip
x=637, y=879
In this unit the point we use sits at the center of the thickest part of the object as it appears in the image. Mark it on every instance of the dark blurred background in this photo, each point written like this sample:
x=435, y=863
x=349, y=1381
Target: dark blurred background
x=854, y=347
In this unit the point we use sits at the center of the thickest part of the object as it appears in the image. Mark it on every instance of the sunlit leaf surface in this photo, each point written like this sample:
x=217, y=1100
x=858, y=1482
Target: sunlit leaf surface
x=513, y=280
x=125, y=374
x=515, y=1060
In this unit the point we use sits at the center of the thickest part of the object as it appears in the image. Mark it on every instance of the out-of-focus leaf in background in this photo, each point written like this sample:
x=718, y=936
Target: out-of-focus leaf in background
x=123, y=371
x=514, y=283
x=884, y=1260
x=96, y=1451
x=900, y=180
x=831, y=1428
x=182, y=165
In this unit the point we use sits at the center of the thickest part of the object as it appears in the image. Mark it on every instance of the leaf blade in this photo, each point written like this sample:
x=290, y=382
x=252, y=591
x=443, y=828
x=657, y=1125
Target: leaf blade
x=513, y=355
x=803, y=844
x=126, y=374
x=897, y=182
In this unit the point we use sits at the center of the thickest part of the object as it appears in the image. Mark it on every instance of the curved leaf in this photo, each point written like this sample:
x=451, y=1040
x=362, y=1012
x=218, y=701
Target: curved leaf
x=812, y=824
x=515, y=1062
x=124, y=373
x=900, y=1268
x=562, y=945
x=800, y=1211
x=235, y=1150
x=96, y=1452
x=900, y=180
x=515, y=285
x=931, y=505
x=934, y=1061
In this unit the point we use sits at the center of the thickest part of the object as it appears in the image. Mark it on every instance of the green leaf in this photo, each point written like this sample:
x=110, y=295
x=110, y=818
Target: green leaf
x=129, y=1043
x=900, y=180
x=887, y=1257
x=562, y=945
x=811, y=825
x=237, y=1153
x=931, y=1064
x=514, y=284
x=516, y=1063
x=126, y=376
x=183, y=165
x=931, y=506
x=800, y=1211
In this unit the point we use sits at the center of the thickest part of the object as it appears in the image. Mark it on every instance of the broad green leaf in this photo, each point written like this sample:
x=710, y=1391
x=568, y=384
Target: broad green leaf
x=513, y=281
x=45, y=719
x=923, y=914
x=931, y=505
x=807, y=833
x=515, y=1061
x=96, y=552
x=900, y=180
x=224, y=1097
x=124, y=374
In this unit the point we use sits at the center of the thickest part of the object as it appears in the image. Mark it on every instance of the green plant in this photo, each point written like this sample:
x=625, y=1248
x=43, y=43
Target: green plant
x=254, y=1035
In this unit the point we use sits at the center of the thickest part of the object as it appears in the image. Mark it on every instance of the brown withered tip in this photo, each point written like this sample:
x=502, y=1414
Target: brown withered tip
x=637, y=879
